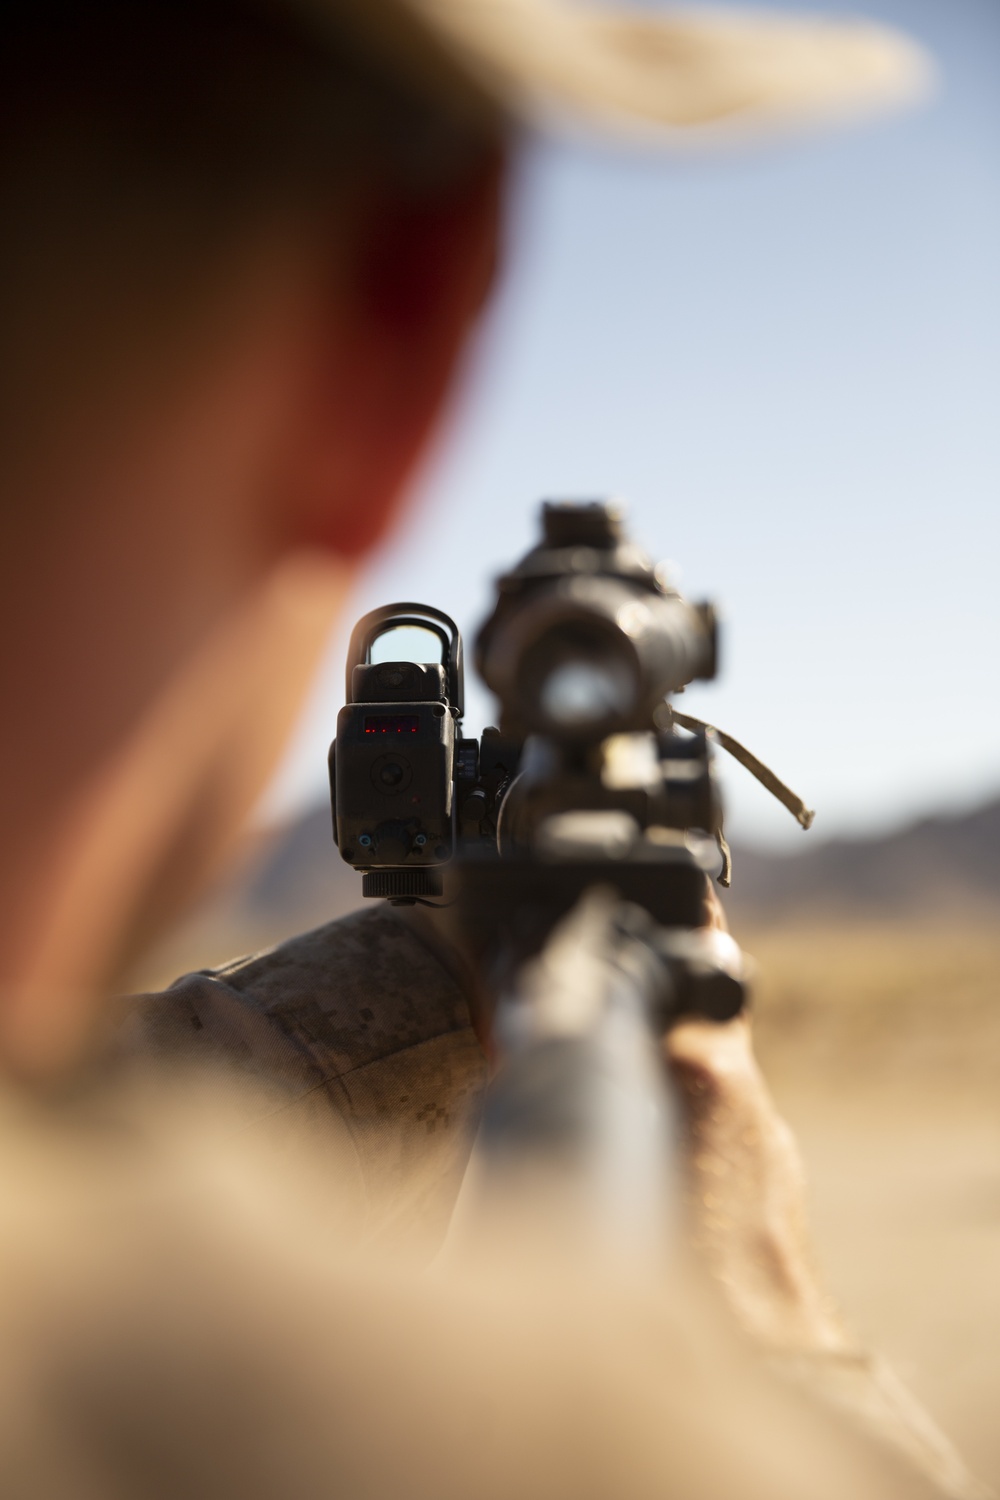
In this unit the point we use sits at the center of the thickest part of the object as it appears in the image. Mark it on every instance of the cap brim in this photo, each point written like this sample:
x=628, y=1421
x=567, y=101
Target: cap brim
x=674, y=76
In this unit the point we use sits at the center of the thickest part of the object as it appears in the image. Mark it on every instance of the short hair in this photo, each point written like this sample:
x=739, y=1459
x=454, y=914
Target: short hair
x=235, y=93
x=142, y=141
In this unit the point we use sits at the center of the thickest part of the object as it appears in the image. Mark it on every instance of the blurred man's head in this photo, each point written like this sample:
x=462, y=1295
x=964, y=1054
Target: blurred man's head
x=238, y=271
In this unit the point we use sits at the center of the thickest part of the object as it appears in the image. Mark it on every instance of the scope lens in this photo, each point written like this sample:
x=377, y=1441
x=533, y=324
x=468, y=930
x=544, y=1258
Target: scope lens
x=585, y=692
x=576, y=678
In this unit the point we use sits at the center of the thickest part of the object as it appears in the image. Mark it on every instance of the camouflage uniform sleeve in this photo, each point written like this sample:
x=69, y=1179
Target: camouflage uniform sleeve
x=355, y=1030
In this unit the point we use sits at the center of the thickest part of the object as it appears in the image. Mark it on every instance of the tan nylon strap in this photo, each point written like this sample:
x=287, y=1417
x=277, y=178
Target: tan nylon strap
x=725, y=875
x=798, y=809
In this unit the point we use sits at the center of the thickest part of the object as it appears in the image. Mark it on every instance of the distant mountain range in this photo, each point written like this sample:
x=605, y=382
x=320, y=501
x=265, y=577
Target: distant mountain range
x=948, y=865
x=944, y=867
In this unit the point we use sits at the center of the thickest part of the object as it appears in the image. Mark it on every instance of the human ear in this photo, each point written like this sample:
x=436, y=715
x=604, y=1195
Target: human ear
x=416, y=277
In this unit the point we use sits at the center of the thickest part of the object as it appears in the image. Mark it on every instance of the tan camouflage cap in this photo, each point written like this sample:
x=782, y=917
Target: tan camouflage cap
x=671, y=75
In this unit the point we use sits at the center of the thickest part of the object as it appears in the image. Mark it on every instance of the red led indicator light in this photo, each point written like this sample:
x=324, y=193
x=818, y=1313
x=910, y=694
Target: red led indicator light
x=391, y=723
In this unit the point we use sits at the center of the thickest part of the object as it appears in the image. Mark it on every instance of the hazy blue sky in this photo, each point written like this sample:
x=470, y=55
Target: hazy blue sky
x=788, y=365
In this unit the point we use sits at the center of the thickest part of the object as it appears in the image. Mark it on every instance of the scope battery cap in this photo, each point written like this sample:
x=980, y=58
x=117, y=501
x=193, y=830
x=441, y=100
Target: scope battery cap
x=391, y=774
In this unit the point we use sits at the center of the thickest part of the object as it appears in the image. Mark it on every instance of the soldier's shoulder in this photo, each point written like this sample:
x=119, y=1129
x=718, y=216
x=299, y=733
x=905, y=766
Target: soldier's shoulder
x=366, y=984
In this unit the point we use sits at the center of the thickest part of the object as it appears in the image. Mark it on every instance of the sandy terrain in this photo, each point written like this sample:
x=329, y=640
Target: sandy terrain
x=883, y=1047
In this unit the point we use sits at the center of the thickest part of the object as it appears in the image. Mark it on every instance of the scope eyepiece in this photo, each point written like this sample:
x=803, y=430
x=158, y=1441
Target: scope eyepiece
x=585, y=640
x=580, y=689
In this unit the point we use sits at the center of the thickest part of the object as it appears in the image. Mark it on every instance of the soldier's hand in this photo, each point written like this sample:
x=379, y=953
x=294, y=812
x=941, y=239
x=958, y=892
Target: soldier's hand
x=746, y=1186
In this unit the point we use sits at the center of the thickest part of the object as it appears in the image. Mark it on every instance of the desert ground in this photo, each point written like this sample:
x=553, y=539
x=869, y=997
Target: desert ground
x=882, y=1044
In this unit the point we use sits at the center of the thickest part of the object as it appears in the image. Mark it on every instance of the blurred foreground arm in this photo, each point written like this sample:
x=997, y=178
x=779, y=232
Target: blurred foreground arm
x=749, y=1228
x=360, y=1029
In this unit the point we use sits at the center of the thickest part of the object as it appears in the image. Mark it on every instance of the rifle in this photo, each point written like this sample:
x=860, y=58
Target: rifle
x=571, y=848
